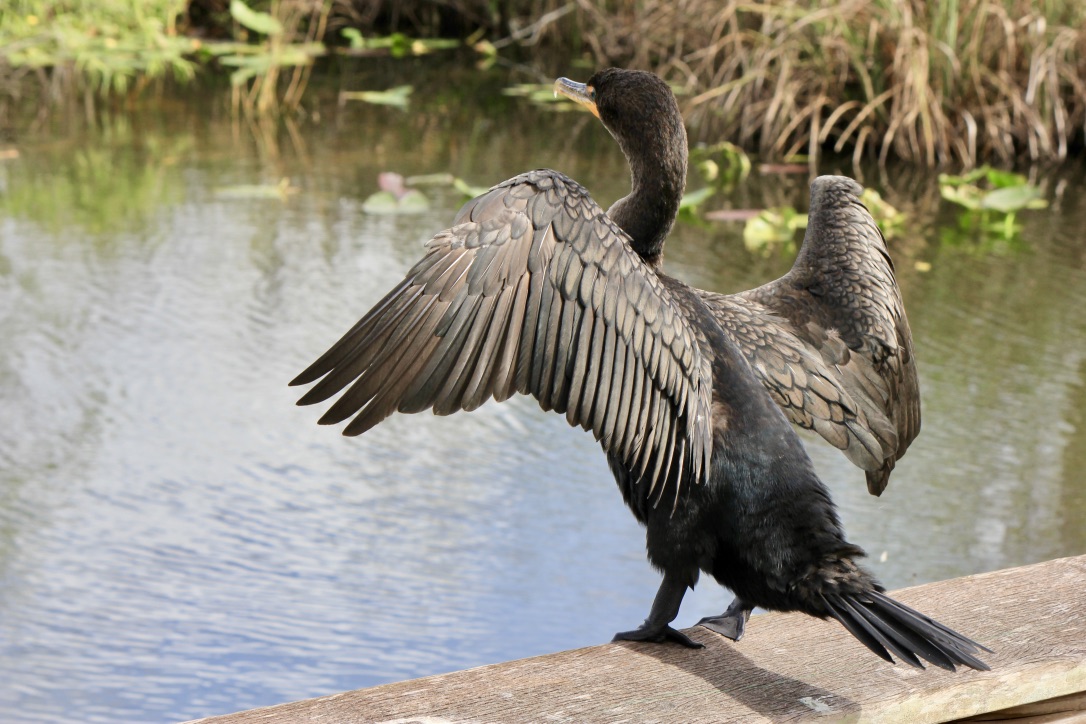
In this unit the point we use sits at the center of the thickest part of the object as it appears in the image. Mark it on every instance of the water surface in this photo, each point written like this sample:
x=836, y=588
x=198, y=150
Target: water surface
x=177, y=539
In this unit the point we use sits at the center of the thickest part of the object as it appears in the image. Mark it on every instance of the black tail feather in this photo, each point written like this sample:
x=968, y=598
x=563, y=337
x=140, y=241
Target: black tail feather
x=885, y=626
x=875, y=628
x=931, y=652
x=855, y=627
x=898, y=605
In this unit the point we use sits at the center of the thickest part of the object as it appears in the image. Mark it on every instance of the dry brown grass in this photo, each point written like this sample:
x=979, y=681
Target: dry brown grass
x=946, y=82
x=941, y=83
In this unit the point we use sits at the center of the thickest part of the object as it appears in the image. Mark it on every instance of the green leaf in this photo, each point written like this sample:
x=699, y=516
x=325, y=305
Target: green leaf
x=385, y=203
x=467, y=189
x=967, y=195
x=258, y=22
x=1003, y=179
x=354, y=37
x=1011, y=198
x=772, y=226
x=413, y=202
x=694, y=199
x=241, y=76
x=381, y=202
x=397, y=96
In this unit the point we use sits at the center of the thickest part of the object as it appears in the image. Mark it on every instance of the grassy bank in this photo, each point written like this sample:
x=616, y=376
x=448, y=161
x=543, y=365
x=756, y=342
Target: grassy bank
x=950, y=82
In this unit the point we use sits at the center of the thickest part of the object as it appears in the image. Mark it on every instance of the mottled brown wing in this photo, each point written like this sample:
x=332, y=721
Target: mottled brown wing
x=842, y=303
x=809, y=391
x=533, y=290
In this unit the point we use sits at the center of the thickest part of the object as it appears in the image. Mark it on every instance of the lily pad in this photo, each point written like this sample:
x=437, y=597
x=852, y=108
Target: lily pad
x=1013, y=198
x=771, y=227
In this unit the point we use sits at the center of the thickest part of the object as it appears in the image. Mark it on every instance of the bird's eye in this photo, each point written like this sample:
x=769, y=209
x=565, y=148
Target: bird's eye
x=592, y=93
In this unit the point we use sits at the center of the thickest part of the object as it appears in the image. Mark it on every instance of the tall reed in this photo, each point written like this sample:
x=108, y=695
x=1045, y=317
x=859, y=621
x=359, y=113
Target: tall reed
x=943, y=82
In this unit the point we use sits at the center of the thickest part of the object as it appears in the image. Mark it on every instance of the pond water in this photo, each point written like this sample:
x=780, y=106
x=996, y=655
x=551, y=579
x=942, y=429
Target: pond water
x=177, y=539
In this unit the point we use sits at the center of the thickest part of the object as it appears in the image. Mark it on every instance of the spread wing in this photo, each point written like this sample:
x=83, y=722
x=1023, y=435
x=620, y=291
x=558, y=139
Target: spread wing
x=830, y=339
x=533, y=290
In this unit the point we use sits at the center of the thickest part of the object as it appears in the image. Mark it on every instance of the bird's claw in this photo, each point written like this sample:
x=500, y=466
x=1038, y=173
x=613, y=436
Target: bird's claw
x=658, y=635
x=729, y=624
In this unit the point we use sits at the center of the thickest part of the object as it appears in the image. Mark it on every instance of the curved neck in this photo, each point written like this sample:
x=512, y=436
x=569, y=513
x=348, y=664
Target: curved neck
x=657, y=161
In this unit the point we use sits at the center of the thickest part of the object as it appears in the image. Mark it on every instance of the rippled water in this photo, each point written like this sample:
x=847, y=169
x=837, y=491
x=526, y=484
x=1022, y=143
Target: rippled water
x=178, y=540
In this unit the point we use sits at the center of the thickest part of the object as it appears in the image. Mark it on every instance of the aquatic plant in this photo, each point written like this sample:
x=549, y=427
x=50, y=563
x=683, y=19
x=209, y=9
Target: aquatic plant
x=395, y=197
x=722, y=164
x=990, y=201
x=289, y=40
x=770, y=228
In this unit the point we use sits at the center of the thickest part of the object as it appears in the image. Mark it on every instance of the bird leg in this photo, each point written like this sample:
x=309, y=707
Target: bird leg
x=730, y=623
x=664, y=610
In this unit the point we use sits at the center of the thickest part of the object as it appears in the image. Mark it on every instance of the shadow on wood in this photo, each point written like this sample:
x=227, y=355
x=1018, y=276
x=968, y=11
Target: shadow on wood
x=788, y=667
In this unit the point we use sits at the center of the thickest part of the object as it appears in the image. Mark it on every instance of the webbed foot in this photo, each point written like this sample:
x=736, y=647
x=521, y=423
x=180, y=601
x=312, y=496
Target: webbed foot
x=656, y=634
x=731, y=623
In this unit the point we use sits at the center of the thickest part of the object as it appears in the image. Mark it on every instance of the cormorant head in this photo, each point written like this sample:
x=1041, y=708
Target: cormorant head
x=641, y=112
x=637, y=108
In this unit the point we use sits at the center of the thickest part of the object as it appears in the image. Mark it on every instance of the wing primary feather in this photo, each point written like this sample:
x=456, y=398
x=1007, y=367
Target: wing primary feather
x=666, y=474
x=663, y=437
x=435, y=375
x=578, y=366
x=612, y=421
x=360, y=396
x=548, y=359
x=565, y=352
x=346, y=343
x=629, y=397
x=356, y=354
x=481, y=384
x=356, y=396
x=679, y=476
x=505, y=382
x=483, y=381
x=541, y=351
x=632, y=435
x=526, y=353
x=648, y=447
x=605, y=389
x=450, y=399
x=591, y=382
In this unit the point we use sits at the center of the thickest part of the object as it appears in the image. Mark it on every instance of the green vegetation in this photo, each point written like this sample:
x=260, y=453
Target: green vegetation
x=98, y=46
x=990, y=200
x=766, y=230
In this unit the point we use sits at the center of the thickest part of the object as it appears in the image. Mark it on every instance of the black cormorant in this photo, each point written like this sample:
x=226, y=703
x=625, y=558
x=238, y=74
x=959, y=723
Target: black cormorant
x=536, y=289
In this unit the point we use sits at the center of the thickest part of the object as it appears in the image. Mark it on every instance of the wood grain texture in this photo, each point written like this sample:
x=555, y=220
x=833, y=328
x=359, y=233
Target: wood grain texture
x=788, y=668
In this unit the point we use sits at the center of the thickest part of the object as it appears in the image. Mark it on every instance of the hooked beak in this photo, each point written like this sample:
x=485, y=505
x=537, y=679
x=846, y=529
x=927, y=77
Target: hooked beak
x=576, y=92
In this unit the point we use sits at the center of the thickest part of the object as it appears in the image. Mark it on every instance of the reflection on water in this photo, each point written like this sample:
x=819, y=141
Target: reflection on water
x=177, y=539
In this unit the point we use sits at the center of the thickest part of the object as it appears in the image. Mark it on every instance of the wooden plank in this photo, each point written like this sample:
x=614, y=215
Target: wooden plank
x=1066, y=709
x=788, y=667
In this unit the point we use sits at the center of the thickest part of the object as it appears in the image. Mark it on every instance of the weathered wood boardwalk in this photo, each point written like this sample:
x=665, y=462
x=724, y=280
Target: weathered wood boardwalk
x=787, y=668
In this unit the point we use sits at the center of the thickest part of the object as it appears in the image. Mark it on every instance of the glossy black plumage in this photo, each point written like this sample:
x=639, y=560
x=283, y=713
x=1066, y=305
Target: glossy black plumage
x=535, y=289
